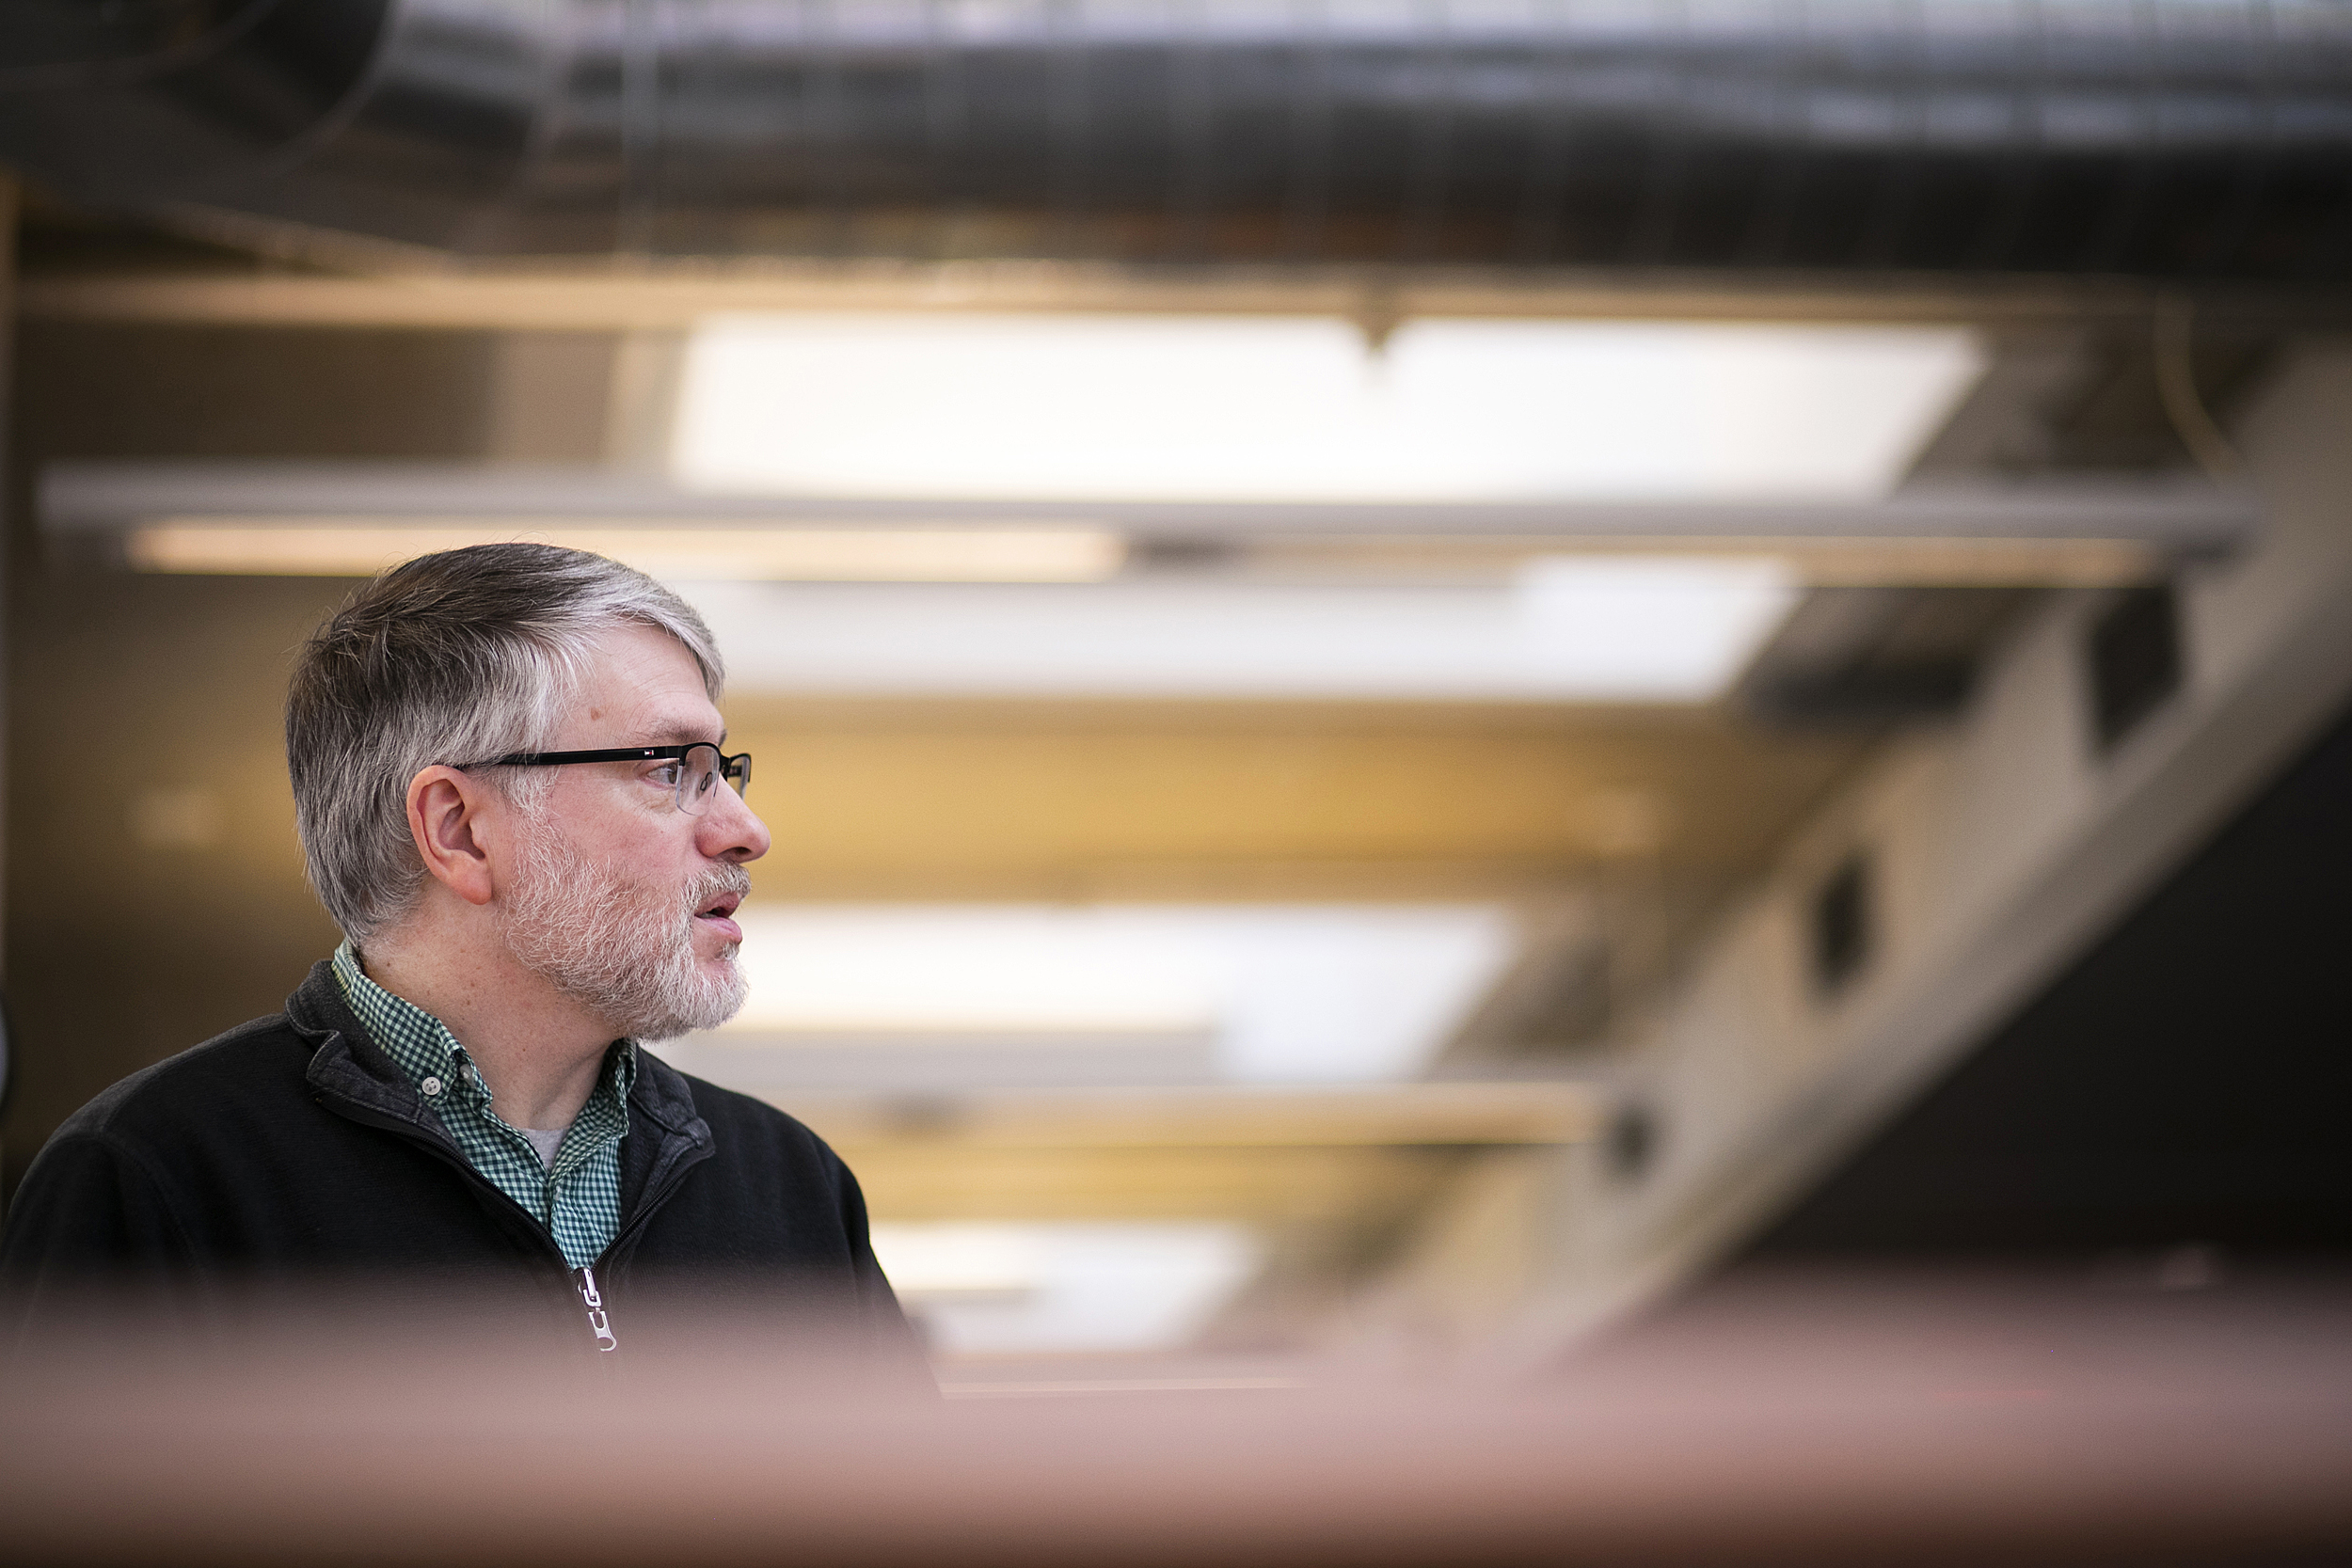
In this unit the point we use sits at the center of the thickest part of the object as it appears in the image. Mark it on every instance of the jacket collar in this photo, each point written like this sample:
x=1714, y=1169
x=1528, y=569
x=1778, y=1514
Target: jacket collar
x=666, y=1098
x=346, y=1063
x=660, y=1102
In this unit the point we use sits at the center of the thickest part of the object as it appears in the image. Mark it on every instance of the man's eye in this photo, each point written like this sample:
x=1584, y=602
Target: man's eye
x=666, y=774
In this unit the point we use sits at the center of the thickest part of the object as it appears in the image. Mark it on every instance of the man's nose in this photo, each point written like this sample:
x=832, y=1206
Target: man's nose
x=731, y=831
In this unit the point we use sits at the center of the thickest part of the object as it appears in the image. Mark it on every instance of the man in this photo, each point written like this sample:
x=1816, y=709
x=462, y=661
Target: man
x=511, y=789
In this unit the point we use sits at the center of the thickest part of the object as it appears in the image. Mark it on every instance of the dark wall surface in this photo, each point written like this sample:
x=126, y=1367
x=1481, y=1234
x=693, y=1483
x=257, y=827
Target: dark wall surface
x=155, y=892
x=2187, y=1083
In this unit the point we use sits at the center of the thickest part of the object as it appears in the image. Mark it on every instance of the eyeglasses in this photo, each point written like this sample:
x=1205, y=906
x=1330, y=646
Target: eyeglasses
x=697, y=769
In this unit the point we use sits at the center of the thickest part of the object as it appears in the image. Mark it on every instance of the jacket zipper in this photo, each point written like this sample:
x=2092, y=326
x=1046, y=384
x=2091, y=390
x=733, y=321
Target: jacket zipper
x=599, y=1321
x=585, y=1277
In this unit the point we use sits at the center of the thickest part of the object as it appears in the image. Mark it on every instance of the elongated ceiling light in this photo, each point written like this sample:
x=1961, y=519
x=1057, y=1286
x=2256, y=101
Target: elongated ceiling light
x=1044, y=1289
x=1298, y=408
x=361, y=546
x=1292, y=994
x=1628, y=629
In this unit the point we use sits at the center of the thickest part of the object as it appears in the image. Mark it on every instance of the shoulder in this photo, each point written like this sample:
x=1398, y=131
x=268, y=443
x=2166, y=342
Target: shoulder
x=100, y=1190
x=744, y=1124
x=190, y=1089
x=768, y=1189
x=758, y=1147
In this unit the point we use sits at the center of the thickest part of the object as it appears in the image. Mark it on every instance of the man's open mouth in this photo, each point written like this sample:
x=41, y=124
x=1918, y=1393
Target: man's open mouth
x=716, y=915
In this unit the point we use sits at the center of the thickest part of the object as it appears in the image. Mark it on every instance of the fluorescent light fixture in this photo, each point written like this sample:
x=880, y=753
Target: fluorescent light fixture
x=1000, y=1289
x=1285, y=994
x=955, y=1259
x=361, y=546
x=1661, y=627
x=1652, y=629
x=1296, y=408
x=987, y=971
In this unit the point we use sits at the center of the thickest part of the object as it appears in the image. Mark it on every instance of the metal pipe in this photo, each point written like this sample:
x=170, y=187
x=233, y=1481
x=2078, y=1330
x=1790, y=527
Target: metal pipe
x=2185, y=139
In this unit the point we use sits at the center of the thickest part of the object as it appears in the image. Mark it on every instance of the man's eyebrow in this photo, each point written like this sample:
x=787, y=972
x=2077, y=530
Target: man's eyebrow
x=682, y=732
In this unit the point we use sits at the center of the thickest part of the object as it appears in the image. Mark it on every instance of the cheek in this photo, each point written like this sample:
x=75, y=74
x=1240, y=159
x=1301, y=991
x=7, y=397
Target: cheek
x=665, y=863
x=637, y=842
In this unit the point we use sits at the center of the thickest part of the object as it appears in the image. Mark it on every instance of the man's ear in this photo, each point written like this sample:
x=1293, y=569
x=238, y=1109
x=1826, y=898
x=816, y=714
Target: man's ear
x=445, y=817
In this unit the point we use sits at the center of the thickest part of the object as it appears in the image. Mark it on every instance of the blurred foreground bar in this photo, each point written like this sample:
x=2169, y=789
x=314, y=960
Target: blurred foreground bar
x=1790, y=1419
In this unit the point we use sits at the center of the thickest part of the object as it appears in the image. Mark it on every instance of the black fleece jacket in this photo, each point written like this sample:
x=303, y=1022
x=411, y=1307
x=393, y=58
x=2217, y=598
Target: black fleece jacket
x=289, y=1162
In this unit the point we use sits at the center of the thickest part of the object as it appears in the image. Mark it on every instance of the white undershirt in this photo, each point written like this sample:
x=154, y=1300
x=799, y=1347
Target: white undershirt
x=544, y=1141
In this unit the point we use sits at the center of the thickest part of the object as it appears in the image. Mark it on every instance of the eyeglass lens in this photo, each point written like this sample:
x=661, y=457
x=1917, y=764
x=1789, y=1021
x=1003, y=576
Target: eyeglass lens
x=699, y=773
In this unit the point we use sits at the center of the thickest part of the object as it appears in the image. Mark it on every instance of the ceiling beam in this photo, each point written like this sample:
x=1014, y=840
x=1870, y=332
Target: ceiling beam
x=637, y=295
x=2173, y=515
x=1528, y=1112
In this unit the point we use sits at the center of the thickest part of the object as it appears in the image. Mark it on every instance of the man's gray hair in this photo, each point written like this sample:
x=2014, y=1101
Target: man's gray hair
x=455, y=657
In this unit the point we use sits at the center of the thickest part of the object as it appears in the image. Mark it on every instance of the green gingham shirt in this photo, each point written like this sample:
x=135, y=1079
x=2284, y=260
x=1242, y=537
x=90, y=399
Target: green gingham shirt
x=577, y=1195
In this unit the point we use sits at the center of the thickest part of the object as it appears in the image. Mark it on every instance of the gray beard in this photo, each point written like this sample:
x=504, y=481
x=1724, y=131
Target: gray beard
x=621, y=948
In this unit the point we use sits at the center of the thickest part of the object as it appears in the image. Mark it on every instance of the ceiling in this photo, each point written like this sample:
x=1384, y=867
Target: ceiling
x=1626, y=819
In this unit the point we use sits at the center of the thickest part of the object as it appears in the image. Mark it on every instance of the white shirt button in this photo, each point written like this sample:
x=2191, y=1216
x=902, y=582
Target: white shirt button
x=431, y=1087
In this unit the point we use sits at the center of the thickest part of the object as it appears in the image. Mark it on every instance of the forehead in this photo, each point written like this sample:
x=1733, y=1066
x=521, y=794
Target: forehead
x=641, y=687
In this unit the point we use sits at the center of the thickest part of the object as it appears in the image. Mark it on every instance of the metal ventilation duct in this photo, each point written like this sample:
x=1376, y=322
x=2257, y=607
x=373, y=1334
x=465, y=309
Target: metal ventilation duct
x=2178, y=139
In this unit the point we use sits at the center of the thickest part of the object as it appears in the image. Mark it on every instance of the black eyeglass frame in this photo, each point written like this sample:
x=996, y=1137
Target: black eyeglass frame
x=735, y=770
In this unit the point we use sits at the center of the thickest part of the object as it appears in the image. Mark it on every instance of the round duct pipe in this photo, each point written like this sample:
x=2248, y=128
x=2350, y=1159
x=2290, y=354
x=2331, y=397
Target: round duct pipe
x=2166, y=139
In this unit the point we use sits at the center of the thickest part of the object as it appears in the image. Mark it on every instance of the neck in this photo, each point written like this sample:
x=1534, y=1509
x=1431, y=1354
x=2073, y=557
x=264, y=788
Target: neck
x=539, y=1053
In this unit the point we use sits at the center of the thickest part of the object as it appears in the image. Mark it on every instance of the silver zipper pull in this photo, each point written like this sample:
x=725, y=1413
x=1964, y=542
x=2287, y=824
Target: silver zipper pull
x=586, y=1280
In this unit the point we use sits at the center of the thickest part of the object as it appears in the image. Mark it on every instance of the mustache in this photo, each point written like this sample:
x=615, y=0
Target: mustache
x=728, y=878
